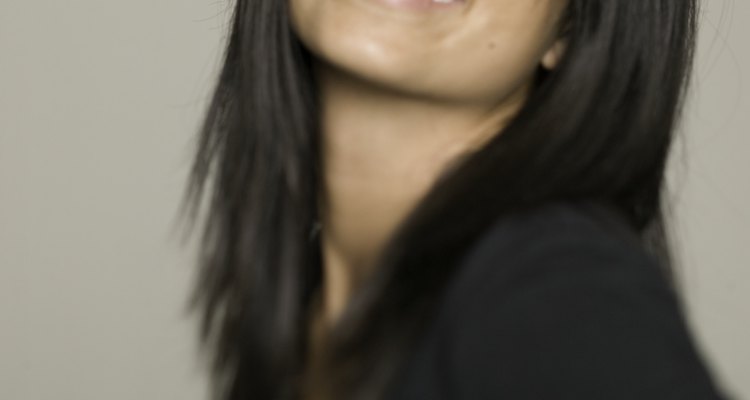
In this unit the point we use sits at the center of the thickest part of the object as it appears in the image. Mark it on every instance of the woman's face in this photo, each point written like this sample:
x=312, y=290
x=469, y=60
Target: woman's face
x=470, y=50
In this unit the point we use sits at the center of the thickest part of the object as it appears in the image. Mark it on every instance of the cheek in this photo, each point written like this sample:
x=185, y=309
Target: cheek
x=486, y=67
x=495, y=52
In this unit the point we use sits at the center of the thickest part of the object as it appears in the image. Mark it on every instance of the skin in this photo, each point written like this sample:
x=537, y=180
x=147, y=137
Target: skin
x=403, y=93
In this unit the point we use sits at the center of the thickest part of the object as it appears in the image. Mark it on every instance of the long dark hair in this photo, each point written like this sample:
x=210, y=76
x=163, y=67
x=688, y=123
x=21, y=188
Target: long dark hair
x=597, y=128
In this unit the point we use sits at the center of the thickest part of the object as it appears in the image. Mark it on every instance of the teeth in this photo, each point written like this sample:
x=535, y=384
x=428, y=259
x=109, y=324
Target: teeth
x=424, y=4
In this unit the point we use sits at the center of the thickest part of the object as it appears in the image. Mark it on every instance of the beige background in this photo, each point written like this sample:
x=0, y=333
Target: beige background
x=99, y=101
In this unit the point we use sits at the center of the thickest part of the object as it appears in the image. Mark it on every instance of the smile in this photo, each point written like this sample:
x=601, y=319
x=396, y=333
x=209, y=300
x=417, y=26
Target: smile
x=423, y=5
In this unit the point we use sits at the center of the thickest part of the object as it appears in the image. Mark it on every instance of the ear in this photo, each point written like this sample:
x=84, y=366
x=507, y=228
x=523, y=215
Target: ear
x=554, y=54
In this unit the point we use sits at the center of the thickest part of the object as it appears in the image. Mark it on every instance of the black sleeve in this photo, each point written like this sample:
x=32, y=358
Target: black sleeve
x=580, y=320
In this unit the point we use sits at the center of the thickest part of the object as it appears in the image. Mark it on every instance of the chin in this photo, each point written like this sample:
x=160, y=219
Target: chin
x=370, y=41
x=448, y=56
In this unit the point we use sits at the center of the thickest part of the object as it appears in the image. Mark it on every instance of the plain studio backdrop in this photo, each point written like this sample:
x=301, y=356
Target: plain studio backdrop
x=99, y=103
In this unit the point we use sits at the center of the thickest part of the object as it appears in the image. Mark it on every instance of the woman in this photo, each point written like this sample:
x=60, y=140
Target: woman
x=457, y=199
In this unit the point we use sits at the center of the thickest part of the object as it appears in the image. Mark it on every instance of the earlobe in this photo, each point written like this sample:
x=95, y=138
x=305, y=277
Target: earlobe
x=554, y=54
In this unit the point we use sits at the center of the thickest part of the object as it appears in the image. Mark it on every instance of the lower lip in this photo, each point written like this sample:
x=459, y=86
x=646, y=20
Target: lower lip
x=423, y=4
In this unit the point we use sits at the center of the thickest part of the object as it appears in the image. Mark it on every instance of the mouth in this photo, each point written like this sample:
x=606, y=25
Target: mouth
x=423, y=5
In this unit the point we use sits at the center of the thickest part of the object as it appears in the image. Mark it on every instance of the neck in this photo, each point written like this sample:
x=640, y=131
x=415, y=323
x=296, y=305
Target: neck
x=382, y=150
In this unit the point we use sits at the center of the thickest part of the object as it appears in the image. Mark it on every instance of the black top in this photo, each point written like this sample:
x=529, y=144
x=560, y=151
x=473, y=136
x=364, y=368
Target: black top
x=558, y=303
